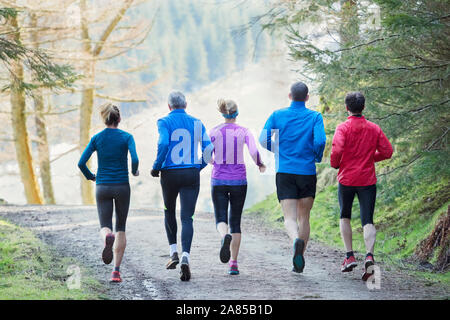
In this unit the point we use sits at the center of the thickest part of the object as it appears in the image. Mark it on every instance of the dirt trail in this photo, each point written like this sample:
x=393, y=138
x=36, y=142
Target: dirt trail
x=265, y=260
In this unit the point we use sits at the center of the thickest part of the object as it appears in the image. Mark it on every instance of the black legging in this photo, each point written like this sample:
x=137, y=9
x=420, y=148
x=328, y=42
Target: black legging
x=235, y=195
x=108, y=197
x=186, y=183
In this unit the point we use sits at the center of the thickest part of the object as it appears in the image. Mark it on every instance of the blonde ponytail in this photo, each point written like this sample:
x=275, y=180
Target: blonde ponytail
x=227, y=107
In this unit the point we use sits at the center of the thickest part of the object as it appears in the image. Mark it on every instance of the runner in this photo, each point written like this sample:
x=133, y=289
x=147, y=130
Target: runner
x=229, y=179
x=112, y=185
x=357, y=145
x=299, y=143
x=177, y=160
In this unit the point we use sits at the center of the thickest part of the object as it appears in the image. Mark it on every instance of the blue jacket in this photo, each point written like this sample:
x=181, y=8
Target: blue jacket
x=300, y=140
x=112, y=146
x=179, y=137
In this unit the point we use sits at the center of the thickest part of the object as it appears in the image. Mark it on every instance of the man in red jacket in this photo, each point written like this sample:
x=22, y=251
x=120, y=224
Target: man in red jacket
x=357, y=145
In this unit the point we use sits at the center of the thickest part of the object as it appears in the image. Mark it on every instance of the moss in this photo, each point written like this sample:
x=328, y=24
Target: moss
x=29, y=270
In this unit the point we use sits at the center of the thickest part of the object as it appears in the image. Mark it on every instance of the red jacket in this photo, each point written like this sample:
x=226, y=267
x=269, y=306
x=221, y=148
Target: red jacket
x=357, y=145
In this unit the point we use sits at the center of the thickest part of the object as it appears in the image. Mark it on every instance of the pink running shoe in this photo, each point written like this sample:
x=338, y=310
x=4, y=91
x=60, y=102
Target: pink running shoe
x=348, y=264
x=368, y=271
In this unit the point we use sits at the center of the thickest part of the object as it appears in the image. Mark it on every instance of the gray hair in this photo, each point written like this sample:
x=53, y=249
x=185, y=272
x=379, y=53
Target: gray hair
x=177, y=100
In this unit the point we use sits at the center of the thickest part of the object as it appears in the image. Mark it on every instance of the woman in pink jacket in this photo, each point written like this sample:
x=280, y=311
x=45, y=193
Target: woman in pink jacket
x=229, y=180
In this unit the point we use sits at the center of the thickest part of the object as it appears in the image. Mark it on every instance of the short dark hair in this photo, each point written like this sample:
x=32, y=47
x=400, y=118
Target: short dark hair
x=355, y=102
x=299, y=91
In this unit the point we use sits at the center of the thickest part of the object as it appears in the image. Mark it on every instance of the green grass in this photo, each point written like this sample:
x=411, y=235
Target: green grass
x=30, y=271
x=401, y=223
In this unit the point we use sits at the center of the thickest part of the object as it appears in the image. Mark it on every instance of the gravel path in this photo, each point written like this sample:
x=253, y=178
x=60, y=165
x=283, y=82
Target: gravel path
x=264, y=262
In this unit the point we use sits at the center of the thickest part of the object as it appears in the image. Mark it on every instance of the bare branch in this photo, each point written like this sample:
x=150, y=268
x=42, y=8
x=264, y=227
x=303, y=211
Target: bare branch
x=110, y=28
x=118, y=99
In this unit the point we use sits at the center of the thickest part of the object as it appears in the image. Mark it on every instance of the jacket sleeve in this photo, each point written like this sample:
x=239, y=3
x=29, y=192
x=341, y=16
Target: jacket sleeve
x=133, y=153
x=265, y=138
x=337, y=147
x=252, y=148
x=163, y=145
x=384, y=148
x=320, y=138
x=90, y=148
x=207, y=148
x=212, y=136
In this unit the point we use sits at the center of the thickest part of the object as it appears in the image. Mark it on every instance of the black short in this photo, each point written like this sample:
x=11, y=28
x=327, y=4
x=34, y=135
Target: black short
x=295, y=186
x=366, y=196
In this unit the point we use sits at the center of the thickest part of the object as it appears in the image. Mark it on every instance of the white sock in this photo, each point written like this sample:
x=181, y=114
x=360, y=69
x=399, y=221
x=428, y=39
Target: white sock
x=173, y=249
x=185, y=254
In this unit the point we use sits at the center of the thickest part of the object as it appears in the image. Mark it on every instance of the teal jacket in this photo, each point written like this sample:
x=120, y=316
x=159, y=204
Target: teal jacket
x=112, y=146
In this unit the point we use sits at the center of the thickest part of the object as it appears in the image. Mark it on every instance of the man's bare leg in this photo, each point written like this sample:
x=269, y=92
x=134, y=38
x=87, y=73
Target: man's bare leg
x=296, y=220
x=289, y=207
x=304, y=207
x=369, y=237
x=346, y=234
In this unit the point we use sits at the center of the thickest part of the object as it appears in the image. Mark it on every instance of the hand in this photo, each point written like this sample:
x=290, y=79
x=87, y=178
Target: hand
x=136, y=174
x=154, y=173
x=262, y=168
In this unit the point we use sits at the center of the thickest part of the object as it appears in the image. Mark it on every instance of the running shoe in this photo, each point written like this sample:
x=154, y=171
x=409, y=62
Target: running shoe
x=107, y=254
x=115, y=276
x=368, y=268
x=185, y=273
x=348, y=264
x=233, y=270
x=173, y=261
x=225, y=249
x=298, y=260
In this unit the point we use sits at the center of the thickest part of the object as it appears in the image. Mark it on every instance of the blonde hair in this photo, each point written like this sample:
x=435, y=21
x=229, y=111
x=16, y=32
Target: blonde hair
x=110, y=114
x=227, y=107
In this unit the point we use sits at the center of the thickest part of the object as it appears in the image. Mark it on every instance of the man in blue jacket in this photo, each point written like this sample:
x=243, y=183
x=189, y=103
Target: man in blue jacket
x=299, y=141
x=179, y=163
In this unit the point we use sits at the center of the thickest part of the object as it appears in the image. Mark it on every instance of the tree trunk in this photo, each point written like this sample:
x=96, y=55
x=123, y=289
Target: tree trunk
x=87, y=103
x=43, y=148
x=41, y=131
x=88, y=92
x=20, y=133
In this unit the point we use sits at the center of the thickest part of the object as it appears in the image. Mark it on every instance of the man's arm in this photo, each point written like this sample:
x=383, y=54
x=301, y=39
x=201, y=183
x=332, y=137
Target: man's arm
x=265, y=138
x=384, y=148
x=207, y=148
x=163, y=145
x=85, y=158
x=337, y=147
x=320, y=138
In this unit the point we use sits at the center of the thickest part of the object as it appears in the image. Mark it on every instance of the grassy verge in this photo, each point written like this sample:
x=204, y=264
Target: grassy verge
x=29, y=270
x=401, y=224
